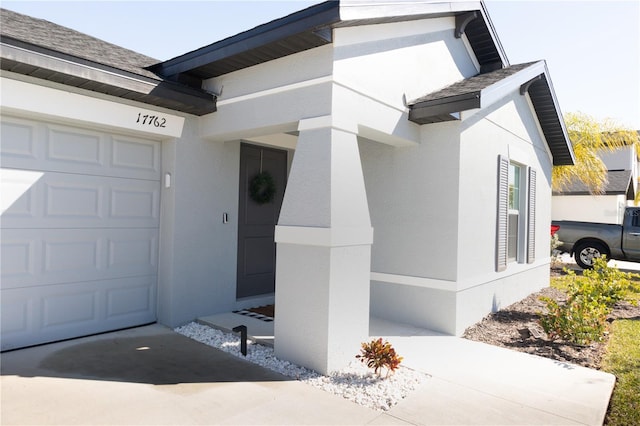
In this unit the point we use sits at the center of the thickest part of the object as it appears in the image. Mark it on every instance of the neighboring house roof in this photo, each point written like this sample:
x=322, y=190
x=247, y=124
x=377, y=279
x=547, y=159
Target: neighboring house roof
x=42, y=49
x=618, y=183
x=312, y=27
x=483, y=89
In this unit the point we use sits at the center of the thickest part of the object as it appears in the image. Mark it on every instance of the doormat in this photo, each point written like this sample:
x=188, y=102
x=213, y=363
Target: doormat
x=262, y=313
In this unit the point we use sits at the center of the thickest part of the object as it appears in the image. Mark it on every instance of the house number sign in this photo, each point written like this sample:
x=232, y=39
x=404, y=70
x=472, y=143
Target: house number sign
x=151, y=120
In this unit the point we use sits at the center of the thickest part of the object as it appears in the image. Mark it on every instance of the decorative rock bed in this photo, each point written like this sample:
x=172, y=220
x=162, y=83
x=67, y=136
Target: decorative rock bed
x=355, y=383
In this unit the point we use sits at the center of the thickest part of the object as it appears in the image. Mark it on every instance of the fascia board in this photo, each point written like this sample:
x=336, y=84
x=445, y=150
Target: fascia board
x=495, y=92
x=494, y=35
x=556, y=105
x=198, y=101
x=139, y=85
x=453, y=104
x=317, y=16
x=353, y=10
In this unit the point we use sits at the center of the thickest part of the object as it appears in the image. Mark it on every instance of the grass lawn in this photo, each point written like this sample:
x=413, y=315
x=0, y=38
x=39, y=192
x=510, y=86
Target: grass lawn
x=623, y=360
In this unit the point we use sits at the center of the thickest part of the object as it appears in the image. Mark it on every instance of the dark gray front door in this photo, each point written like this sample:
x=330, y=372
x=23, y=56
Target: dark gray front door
x=256, y=222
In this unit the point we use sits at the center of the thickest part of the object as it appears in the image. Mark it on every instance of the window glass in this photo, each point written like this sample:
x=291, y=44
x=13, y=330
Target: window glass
x=513, y=227
x=512, y=239
x=514, y=187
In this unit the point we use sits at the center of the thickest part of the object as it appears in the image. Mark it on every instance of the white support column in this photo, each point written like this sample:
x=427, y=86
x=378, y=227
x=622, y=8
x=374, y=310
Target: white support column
x=324, y=239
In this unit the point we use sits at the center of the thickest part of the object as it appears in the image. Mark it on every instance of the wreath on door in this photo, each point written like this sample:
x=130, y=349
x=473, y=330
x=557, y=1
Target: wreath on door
x=262, y=188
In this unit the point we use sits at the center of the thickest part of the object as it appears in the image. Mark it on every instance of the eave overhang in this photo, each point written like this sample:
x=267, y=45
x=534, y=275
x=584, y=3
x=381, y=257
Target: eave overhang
x=313, y=27
x=285, y=36
x=484, y=89
x=27, y=59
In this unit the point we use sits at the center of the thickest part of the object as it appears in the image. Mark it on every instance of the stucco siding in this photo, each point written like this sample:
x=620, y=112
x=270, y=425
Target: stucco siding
x=412, y=195
x=447, y=187
x=508, y=128
x=301, y=67
x=476, y=302
x=411, y=58
x=198, y=250
x=419, y=306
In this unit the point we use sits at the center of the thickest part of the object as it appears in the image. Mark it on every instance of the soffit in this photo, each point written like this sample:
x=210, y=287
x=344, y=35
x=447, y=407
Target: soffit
x=446, y=104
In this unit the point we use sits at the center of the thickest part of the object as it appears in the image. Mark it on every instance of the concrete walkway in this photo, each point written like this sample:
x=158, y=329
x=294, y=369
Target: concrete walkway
x=151, y=375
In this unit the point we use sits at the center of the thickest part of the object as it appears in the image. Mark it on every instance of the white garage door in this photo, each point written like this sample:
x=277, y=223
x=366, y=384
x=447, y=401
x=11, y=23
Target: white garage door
x=79, y=231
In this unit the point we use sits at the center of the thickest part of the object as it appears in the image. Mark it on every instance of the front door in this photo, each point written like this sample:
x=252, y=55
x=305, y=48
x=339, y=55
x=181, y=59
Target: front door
x=263, y=177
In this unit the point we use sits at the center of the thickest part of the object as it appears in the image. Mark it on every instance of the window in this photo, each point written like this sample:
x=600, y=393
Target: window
x=516, y=213
x=513, y=224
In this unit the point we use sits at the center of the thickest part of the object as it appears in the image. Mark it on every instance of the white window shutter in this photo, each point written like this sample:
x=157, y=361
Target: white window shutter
x=503, y=213
x=531, y=217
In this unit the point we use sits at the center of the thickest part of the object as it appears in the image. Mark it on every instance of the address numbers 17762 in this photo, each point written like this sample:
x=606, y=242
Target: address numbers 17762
x=151, y=120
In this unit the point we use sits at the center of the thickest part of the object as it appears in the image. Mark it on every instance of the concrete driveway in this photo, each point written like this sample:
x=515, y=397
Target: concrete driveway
x=153, y=376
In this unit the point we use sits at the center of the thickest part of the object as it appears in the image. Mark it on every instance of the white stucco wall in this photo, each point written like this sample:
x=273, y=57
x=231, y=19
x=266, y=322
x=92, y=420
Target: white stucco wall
x=198, y=251
x=507, y=128
x=589, y=208
x=433, y=208
x=271, y=97
x=387, y=61
x=413, y=202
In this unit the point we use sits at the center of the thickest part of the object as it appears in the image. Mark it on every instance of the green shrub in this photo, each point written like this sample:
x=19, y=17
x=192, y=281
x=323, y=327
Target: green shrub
x=577, y=321
x=590, y=298
x=605, y=284
x=378, y=354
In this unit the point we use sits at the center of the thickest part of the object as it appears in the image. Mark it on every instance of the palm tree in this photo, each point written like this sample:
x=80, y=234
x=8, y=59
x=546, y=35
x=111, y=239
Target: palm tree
x=589, y=137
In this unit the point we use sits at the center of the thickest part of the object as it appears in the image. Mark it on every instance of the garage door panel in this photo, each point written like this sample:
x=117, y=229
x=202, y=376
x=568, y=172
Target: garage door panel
x=18, y=141
x=17, y=257
x=39, y=315
x=134, y=252
x=137, y=202
x=61, y=200
x=55, y=148
x=14, y=315
x=18, y=193
x=130, y=300
x=34, y=257
x=68, y=147
x=79, y=231
x=135, y=157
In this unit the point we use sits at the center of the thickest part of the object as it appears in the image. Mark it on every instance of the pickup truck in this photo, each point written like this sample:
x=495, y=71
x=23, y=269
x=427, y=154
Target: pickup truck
x=587, y=240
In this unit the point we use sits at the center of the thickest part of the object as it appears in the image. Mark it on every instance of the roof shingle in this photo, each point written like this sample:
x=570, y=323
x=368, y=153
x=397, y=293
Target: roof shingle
x=48, y=35
x=472, y=84
x=618, y=183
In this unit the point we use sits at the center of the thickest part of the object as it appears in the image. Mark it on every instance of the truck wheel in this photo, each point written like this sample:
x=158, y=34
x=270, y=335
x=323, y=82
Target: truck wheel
x=585, y=254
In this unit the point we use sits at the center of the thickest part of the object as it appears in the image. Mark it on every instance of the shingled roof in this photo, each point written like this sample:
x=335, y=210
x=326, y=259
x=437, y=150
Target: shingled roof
x=483, y=89
x=42, y=49
x=469, y=87
x=40, y=32
x=312, y=27
x=618, y=183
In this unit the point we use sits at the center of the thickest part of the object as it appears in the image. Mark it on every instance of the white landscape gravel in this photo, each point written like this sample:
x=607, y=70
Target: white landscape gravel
x=355, y=383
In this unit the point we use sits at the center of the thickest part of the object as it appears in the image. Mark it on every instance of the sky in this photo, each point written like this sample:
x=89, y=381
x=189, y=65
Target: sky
x=592, y=48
